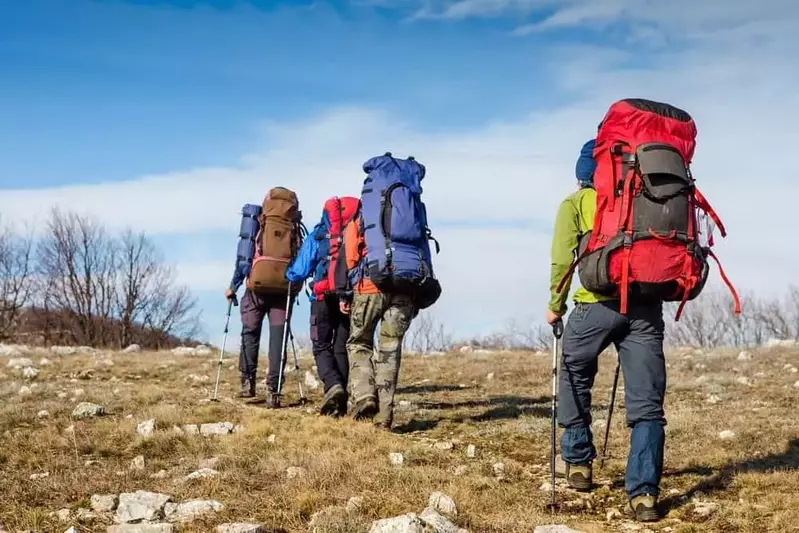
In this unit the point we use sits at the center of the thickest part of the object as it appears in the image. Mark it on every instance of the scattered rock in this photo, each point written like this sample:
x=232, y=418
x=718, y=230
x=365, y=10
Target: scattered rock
x=141, y=506
x=499, y=470
x=408, y=523
x=146, y=428
x=133, y=348
x=240, y=528
x=545, y=487
x=8, y=350
x=34, y=477
x=43, y=414
x=64, y=350
x=77, y=393
x=62, y=514
x=490, y=376
x=271, y=439
x=444, y=446
x=743, y=380
x=218, y=428
x=88, y=410
x=555, y=528
x=45, y=362
x=396, y=459
x=745, y=356
x=437, y=522
x=443, y=504
x=295, y=472
x=405, y=404
x=161, y=474
x=104, y=503
x=471, y=451
x=19, y=362
x=310, y=381
x=466, y=349
x=354, y=504
x=705, y=509
x=713, y=399
x=71, y=530
x=91, y=462
x=613, y=514
x=191, y=510
x=25, y=391
x=183, y=351
x=726, y=435
x=141, y=528
x=796, y=385
x=29, y=372
x=211, y=463
x=137, y=463
x=202, y=473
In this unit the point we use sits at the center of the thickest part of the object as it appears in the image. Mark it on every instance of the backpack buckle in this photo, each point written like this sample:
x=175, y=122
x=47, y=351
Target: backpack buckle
x=628, y=240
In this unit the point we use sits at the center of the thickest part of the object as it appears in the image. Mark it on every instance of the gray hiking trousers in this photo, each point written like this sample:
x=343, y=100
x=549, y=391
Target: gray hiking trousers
x=254, y=309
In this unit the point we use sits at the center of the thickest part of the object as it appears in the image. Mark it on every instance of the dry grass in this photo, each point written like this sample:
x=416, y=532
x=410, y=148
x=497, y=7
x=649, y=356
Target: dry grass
x=753, y=478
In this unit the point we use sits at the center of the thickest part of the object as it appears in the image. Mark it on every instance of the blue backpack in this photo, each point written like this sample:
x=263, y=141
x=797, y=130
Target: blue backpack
x=394, y=225
x=248, y=231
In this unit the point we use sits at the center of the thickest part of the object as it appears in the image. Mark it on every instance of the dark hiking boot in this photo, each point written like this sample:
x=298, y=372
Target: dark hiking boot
x=247, y=387
x=644, y=508
x=365, y=409
x=331, y=404
x=273, y=400
x=343, y=404
x=579, y=477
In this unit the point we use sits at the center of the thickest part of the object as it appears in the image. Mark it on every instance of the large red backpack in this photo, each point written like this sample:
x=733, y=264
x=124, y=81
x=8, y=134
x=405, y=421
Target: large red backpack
x=646, y=239
x=336, y=214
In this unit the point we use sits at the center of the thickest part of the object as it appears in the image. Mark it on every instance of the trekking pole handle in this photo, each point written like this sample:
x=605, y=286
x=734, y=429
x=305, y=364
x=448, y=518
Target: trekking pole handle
x=557, y=329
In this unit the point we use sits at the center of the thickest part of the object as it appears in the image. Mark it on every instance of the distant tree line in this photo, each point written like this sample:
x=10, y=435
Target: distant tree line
x=706, y=322
x=76, y=283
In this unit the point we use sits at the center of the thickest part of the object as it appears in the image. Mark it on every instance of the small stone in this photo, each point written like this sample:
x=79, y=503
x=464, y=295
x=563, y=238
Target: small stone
x=104, y=503
x=72, y=529
x=354, y=504
x=63, y=514
x=45, y=362
x=141, y=528
x=191, y=510
x=88, y=410
x=437, y=522
x=240, y=528
x=202, y=473
x=91, y=462
x=499, y=469
x=555, y=528
x=490, y=376
x=705, y=509
x=794, y=370
x=34, y=477
x=43, y=414
x=141, y=506
x=219, y=428
x=745, y=356
x=137, y=463
x=408, y=523
x=146, y=428
x=25, y=391
x=443, y=504
x=29, y=372
x=796, y=385
x=461, y=470
x=613, y=514
x=545, y=487
x=310, y=381
x=444, y=446
x=133, y=348
x=19, y=362
x=726, y=435
x=743, y=380
x=211, y=463
x=161, y=474
x=396, y=459
x=471, y=451
x=713, y=399
x=271, y=439
x=295, y=472
x=62, y=395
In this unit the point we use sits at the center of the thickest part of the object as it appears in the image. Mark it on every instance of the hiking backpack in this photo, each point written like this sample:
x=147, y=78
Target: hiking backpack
x=248, y=233
x=647, y=240
x=279, y=238
x=336, y=214
x=394, y=225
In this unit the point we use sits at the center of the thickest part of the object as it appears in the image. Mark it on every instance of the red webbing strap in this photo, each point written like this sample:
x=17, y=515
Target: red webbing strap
x=687, y=284
x=735, y=299
x=703, y=204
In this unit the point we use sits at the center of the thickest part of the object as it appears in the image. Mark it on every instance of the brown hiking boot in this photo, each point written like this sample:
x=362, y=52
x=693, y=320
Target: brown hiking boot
x=273, y=400
x=579, y=477
x=247, y=387
x=331, y=404
x=366, y=408
x=644, y=508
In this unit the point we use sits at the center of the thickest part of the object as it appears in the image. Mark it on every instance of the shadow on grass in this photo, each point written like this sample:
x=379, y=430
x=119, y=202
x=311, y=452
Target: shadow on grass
x=721, y=480
x=494, y=402
x=430, y=387
x=414, y=425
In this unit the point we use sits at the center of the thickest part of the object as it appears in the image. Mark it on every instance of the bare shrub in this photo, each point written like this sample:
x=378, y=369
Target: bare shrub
x=16, y=278
x=427, y=334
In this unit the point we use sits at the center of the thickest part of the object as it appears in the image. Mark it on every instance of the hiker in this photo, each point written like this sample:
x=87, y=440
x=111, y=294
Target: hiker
x=633, y=225
x=330, y=328
x=385, y=278
x=270, y=236
x=594, y=323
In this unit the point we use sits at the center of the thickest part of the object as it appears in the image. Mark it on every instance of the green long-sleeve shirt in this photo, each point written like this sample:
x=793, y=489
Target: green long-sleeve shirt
x=575, y=218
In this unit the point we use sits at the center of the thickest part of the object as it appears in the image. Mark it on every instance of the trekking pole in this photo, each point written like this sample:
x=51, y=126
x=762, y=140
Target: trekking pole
x=285, y=341
x=303, y=400
x=557, y=332
x=231, y=302
x=610, y=410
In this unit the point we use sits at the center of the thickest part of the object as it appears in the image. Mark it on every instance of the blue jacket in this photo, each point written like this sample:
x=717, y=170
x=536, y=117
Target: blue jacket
x=304, y=264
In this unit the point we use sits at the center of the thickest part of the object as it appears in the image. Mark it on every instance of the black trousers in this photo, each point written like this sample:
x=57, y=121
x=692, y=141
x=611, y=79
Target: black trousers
x=330, y=329
x=254, y=309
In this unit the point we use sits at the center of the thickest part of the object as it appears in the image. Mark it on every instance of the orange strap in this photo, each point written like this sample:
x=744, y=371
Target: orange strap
x=702, y=202
x=735, y=299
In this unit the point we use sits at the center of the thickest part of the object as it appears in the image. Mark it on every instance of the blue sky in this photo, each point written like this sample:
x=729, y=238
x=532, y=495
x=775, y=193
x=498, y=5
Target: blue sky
x=168, y=116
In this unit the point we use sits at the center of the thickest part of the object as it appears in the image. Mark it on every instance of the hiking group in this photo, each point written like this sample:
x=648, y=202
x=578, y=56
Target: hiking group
x=637, y=231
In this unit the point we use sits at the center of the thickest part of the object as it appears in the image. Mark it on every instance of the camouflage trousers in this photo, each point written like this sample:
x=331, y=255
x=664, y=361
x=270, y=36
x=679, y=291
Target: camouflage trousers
x=374, y=375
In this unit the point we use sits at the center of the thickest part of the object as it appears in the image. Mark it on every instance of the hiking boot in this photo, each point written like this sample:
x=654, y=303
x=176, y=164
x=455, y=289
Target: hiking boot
x=366, y=408
x=247, y=387
x=384, y=422
x=273, y=400
x=331, y=404
x=343, y=404
x=644, y=508
x=579, y=477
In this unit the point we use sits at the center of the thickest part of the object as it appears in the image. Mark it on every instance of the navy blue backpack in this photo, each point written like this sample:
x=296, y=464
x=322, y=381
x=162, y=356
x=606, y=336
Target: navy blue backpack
x=394, y=225
x=248, y=231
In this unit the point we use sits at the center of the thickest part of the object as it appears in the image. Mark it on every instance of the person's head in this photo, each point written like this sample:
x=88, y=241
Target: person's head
x=584, y=169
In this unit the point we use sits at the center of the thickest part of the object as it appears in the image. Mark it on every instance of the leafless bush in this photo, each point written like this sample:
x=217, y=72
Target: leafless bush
x=16, y=277
x=427, y=334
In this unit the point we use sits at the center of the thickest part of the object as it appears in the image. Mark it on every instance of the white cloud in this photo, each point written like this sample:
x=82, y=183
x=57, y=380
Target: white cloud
x=742, y=92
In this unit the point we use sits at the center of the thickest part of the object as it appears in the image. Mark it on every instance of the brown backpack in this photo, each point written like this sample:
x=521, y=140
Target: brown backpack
x=277, y=241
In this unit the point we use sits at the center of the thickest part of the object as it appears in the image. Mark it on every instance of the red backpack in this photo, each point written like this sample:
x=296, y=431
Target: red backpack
x=336, y=214
x=646, y=239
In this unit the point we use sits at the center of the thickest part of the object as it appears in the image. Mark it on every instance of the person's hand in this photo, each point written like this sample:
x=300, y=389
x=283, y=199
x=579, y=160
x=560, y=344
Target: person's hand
x=229, y=294
x=552, y=318
x=344, y=307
